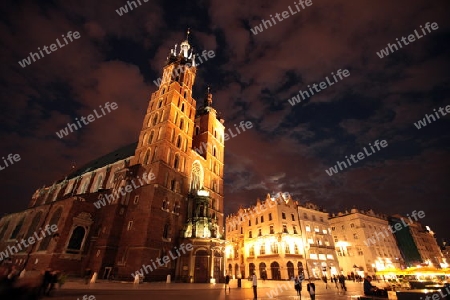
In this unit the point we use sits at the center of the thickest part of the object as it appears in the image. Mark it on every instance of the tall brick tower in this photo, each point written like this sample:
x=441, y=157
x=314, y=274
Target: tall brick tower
x=186, y=198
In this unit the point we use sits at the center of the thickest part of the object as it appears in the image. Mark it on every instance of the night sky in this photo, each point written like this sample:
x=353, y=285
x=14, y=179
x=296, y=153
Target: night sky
x=252, y=77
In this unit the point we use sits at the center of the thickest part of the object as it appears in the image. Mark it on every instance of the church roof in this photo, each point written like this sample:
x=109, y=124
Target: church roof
x=107, y=159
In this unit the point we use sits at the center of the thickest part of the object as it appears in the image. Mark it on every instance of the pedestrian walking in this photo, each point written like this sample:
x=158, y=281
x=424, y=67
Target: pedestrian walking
x=311, y=287
x=335, y=281
x=342, y=282
x=255, y=285
x=325, y=279
x=298, y=286
x=227, y=282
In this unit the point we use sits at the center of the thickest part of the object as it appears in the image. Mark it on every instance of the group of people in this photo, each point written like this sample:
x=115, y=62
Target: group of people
x=310, y=286
x=49, y=280
x=14, y=284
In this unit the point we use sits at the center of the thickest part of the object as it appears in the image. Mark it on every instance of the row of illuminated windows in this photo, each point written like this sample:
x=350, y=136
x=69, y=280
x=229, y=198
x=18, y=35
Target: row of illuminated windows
x=271, y=230
x=320, y=256
x=316, y=229
x=363, y=225
x=273, y=249
x=349, y=251
x=261, y=218
x=313, y=217
x=320, y=242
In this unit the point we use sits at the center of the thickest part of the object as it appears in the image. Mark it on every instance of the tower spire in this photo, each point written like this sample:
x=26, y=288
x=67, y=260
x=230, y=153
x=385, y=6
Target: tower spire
x=208, y=99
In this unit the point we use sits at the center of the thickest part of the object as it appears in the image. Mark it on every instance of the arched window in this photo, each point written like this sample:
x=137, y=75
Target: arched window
x=53, y=221
x=262, y=271
x=176, y=118
x=182, y=105
x=160, y=102
x=251, y=268
x=34, y=226
x=300, y=268
x=176, y=161
x=76, y=240
x=144, y=139
x=275, y=268
x=147, y=157
x=154, y=154
x=181, y=124
x=290, y=269
x=99, y=182
x=214, y=152
x=155, y=119
x=150, y=138
x=179, y=141
x=159, y=133
x=197, y=130
x=17, y=229
x=166, y=231
x=185, y=97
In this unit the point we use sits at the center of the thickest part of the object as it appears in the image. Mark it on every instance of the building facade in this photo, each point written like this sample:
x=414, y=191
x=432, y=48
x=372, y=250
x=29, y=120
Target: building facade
x=417, y=242
x=114, y=218
x=270, y=239
x=364, y=243
x=321, y=258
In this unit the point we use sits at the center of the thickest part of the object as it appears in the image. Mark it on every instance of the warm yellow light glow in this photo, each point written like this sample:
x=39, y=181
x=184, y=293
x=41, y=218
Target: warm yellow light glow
x=342, y=244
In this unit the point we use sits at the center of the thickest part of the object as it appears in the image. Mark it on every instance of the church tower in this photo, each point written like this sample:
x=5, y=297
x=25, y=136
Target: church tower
x=184, y=148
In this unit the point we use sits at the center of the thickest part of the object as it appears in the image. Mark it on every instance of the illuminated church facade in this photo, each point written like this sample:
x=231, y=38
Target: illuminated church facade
x=181, y=204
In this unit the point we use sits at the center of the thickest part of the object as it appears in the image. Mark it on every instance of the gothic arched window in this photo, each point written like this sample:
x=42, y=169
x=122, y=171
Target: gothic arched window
x=76, y=240
x=150, y=138
x=176, y=161
x=166, y=231
x=34, y=226
x=179, y=140
x=155, y=119
x=54, y=220
x=181, y=123
x=146, y=157
x=99, y=182
x=154, y=154
x=17, y=229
